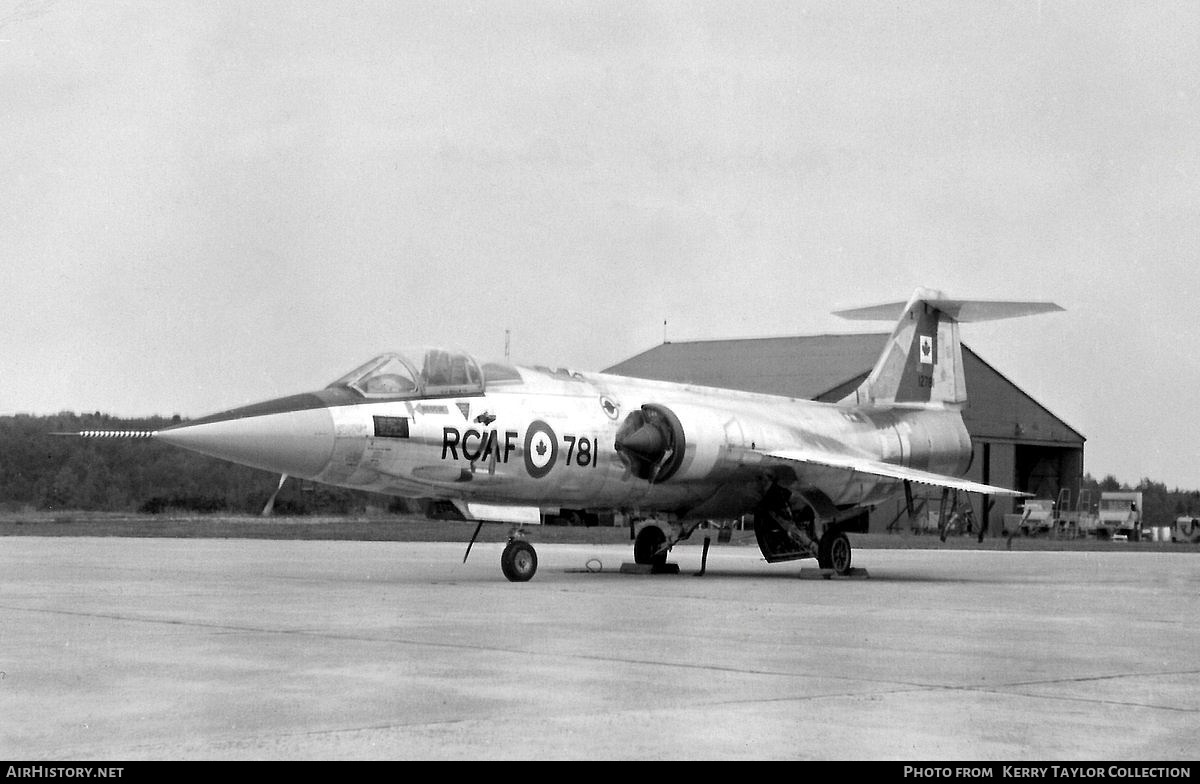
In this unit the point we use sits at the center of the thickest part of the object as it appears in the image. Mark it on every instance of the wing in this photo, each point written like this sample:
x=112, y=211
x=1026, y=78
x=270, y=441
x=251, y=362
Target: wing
x=867, y=465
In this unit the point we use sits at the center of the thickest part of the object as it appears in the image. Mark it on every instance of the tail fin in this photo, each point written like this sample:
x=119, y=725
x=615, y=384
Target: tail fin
x=921, y=365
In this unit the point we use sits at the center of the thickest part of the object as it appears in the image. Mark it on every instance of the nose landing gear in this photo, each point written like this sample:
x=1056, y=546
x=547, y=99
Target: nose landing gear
x=518, y=561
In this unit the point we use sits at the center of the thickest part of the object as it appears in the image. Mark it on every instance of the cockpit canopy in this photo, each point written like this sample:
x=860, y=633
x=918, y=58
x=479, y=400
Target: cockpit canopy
x=423, y=372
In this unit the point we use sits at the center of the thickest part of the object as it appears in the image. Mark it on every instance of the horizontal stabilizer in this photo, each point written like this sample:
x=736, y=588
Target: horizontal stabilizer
x=866, y=465
x=961, y=310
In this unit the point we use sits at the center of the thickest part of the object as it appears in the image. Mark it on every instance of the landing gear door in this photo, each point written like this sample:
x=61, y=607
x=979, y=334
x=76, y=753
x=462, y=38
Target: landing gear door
x=775, y=543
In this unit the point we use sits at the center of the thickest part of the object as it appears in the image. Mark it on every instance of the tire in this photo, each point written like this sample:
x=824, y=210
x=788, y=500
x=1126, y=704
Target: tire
x=834, y=552
x=649, y=539
x=518, y=561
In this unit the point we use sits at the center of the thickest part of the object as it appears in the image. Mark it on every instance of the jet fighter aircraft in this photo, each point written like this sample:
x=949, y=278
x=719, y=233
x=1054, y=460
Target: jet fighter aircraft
x=509, y=444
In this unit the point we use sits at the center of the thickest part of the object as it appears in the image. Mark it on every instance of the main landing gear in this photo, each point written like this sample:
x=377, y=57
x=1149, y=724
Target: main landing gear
x=649, y=548
x=652, y=544
x=833, y=552
x=787, y=535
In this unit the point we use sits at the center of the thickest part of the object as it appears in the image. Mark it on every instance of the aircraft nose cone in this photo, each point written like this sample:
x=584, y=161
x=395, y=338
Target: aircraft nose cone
x=291, y=436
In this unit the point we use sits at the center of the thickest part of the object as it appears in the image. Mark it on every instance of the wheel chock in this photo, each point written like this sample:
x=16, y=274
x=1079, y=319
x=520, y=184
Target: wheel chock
x=637, y=568
x=828, y=574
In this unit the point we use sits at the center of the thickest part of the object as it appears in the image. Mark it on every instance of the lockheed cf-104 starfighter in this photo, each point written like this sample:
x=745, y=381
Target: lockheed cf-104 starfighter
x=511, y=444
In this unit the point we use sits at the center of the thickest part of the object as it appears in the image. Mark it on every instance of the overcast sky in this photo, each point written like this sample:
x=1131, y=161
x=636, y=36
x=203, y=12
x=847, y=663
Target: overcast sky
x=206, y=204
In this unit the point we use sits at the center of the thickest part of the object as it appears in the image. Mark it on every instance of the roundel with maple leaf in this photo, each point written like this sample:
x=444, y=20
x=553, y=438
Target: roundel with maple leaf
x=541, y=449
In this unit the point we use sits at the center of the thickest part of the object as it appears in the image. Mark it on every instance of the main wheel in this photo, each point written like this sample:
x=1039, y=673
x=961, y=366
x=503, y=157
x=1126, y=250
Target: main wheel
x=833, y=552
x=518, y=561
x=649, y=539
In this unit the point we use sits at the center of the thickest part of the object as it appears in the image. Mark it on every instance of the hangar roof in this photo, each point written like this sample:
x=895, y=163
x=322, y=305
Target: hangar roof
x=828, y=367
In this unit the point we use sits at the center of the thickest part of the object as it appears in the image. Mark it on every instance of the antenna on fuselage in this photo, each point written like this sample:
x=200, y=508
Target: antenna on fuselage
x=507, y=336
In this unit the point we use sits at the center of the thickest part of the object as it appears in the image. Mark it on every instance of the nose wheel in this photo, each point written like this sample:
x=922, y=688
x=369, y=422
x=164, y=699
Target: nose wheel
x=518, y=561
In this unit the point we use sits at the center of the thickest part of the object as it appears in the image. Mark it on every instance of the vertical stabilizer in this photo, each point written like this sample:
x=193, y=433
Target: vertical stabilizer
x=921, y=365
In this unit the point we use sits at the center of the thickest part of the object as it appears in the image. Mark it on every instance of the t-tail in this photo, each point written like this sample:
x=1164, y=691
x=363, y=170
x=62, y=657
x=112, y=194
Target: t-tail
x=921, y=365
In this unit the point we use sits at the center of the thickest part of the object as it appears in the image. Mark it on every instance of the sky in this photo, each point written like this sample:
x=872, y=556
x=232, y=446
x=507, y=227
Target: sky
x=206, y=204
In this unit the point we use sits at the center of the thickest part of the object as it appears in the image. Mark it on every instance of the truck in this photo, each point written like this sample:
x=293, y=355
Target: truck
x=1187, y=529
x=1119, y=517
x=1037, y=517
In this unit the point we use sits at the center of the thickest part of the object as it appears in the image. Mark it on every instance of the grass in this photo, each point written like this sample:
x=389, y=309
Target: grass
x=415, y=528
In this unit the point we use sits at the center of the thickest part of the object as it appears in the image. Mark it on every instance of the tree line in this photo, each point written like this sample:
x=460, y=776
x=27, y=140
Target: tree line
x=42, y=471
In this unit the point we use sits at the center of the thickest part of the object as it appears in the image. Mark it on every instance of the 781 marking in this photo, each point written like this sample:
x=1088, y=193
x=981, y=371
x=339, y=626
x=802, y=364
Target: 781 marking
x=587, y=454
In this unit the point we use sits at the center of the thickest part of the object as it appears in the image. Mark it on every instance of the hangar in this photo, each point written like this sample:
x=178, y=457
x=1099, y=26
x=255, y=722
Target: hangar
x=1017, y=442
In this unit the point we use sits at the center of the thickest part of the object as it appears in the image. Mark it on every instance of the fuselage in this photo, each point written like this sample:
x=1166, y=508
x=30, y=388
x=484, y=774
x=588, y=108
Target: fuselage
x=558, y=439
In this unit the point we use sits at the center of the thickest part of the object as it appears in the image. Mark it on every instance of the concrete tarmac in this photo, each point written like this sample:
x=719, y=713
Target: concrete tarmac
x=172, y=649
